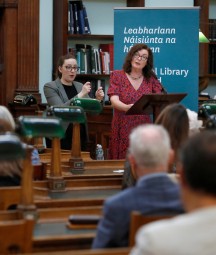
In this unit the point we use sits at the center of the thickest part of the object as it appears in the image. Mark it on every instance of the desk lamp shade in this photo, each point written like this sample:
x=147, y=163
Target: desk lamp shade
x=33, y=126
x=89, y=105
x=72, y=114
x=202, y=37
x=11, y=148
x=207, y=109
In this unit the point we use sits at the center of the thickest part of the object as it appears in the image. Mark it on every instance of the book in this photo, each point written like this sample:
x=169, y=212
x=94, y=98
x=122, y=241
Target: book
x=81, y=22
x=78, y=17
x=70, y=18
x=108, y=47
x=84, y=52
x=93, y=61
x=98, y=61
x=212, y=30
x=86, y=21
x=75, y=16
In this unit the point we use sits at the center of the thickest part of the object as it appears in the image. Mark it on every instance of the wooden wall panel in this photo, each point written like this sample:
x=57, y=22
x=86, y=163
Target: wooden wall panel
x=19, y=49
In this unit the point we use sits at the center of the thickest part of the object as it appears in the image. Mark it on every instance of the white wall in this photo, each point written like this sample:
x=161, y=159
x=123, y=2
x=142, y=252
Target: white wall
x=45, y=44
x=169, y=3
x=103, y=23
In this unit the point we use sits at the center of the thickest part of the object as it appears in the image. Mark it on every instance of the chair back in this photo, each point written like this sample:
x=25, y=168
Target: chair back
x=138, y=220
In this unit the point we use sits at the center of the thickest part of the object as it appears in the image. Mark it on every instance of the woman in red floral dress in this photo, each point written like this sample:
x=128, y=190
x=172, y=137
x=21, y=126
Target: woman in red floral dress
x=126, y=87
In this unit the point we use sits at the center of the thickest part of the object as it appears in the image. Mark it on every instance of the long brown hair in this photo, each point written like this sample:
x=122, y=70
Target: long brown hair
x=175, y=119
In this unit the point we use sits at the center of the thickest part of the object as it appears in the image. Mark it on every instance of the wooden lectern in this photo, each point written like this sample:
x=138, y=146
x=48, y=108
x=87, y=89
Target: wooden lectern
x=154, y=103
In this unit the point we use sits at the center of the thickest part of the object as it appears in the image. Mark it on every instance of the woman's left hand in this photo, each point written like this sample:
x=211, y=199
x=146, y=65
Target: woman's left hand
x=99, y=94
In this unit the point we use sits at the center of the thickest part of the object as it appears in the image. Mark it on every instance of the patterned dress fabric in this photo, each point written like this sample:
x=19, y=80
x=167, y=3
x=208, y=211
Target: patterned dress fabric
x=122, y=124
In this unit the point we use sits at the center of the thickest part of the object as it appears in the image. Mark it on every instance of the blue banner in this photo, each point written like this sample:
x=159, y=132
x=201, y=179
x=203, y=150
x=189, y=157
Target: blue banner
x=173, y=36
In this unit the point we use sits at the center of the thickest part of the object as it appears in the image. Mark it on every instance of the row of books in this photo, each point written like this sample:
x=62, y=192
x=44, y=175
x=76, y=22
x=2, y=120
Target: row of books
x=77, y=18
x=92, y=60
x=212, y=58
x=212, y=29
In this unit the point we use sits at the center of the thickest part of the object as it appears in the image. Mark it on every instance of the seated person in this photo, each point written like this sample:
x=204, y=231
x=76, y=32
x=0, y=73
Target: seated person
x=7, y=124
x=174, y=119
x=194, y=232
x=154, y=193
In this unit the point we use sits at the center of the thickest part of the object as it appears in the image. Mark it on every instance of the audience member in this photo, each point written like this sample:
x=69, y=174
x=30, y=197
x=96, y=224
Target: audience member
x=154, y=193
x=194, y=232
x=174, y=119
x=10, y=171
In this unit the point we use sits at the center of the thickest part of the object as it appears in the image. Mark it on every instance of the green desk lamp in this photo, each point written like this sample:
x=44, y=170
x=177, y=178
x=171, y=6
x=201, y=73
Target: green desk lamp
x=75, y=115
x=33, y=126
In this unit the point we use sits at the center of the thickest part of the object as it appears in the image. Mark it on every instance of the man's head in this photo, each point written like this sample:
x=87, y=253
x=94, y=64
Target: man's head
x=149, y=149
x=198, y=170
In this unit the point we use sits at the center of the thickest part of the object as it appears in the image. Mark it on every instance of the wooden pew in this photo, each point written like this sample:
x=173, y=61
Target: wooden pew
x=34, y=127
x=16, y=236
x=76, y=196
x=51, y=229
x=138, y=220
x=107, y=251
x=60, y=236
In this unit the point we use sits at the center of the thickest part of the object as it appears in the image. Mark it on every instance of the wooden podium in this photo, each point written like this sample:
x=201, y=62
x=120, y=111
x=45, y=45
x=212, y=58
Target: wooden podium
x=154, y=103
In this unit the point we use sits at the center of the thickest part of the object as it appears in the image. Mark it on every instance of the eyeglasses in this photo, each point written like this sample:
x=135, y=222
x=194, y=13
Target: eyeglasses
x=143, y=57
x=70, y=68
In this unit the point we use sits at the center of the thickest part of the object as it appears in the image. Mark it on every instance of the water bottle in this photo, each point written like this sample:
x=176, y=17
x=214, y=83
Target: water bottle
x=99, y=152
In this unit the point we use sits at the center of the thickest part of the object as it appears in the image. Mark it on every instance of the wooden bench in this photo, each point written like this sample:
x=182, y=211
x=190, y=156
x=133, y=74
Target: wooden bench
x=16, y=236
x=138, y=220
x=106, y=251
x=42, y=197
x=51, y=229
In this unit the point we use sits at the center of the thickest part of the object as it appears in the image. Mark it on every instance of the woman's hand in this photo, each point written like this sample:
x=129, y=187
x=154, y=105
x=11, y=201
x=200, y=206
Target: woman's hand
x=117, y=104
x=99, y=94
x=85, y=89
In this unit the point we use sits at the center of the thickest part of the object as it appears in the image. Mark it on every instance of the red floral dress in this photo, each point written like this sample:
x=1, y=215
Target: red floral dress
x=122, y=124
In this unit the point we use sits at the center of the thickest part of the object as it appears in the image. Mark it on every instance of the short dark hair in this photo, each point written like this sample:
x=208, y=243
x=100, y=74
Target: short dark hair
x=198, y=156
x=61, y=61
x=148, y=69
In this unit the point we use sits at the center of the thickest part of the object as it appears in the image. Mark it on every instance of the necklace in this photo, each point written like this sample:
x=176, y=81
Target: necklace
x=136, y=78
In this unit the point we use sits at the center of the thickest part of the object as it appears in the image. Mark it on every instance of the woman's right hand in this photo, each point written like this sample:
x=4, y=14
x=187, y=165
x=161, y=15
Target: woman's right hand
x=86, y=88
x=117, y=104
x=128, y=106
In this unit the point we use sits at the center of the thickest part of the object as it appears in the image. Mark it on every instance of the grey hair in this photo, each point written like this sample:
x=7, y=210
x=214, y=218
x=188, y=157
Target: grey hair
x=150, y=145
x=7, y=122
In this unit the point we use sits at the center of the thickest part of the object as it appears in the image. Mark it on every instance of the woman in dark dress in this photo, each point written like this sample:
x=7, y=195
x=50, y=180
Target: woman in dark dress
x=126, y=87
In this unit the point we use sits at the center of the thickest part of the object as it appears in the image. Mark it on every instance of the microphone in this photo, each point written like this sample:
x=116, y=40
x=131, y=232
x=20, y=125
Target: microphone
x=163, y=89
